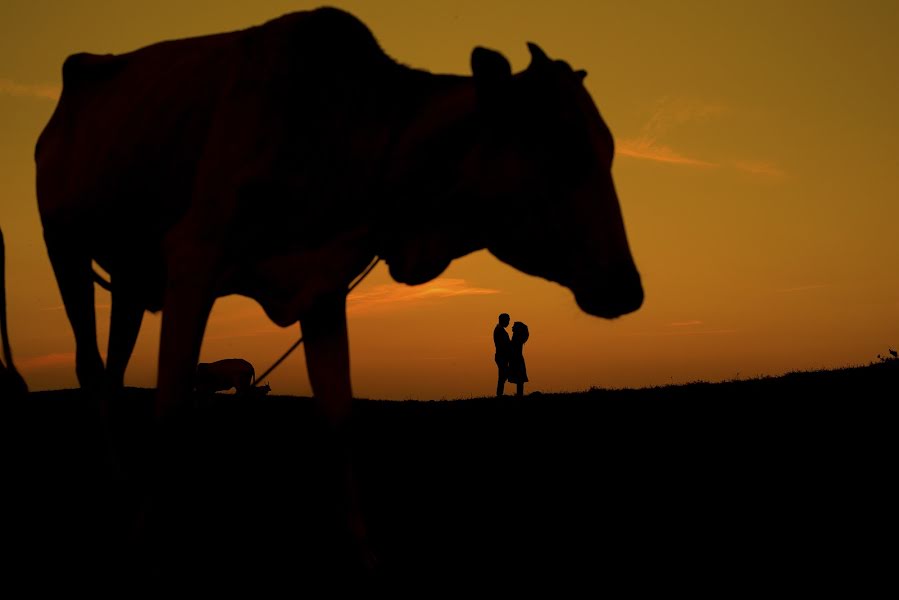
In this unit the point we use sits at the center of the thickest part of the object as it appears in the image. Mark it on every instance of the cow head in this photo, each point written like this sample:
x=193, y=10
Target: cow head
x=544, y=174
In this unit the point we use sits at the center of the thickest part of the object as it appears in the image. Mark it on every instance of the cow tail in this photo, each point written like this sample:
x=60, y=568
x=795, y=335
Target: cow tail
x=11, y=371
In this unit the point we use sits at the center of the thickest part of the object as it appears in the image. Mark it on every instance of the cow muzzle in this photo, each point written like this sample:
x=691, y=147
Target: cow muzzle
x=616, y=292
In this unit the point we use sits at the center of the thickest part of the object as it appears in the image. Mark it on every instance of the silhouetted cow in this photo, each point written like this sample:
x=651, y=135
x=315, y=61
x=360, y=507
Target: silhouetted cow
x=223, y=375
x=275, y=162
x=11, y=383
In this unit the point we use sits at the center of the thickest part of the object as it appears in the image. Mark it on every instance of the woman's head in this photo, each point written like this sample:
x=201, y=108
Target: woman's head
x=520, y=332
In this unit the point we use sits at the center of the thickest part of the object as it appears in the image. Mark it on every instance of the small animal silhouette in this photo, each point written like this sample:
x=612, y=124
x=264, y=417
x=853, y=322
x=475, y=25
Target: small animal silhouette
x=12, y=385
x=223, y=375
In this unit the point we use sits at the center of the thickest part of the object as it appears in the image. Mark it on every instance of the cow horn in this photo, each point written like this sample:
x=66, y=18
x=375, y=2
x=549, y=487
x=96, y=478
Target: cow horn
x=538, y=56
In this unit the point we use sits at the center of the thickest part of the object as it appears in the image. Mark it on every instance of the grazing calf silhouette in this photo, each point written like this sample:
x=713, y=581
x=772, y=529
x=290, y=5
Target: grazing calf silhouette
x=223, y=375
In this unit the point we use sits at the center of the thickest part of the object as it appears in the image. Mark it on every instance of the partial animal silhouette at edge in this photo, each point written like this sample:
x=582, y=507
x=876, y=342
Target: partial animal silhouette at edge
x=12, y=384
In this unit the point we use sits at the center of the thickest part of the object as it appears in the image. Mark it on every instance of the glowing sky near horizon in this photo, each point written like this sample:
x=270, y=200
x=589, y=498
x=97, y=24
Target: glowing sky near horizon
x=757, y=168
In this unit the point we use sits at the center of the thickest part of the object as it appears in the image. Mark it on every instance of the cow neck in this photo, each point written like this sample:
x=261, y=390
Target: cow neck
x=423, y=167
x=447, y=103
x=425, y=216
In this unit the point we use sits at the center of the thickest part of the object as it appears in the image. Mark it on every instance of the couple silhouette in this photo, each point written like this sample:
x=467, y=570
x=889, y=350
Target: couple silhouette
x=509, y=357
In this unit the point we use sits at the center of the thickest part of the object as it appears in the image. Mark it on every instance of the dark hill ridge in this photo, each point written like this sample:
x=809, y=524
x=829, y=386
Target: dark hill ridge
x=785, y=480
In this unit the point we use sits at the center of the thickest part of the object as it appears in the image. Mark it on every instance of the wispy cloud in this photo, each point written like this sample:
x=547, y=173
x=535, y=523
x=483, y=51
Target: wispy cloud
x=676, y=111
x=802, y=288
x=670, y=114
x=8, y=87
x=54, y=359
x=667, y=114
x=684, y=323
x=388, y=296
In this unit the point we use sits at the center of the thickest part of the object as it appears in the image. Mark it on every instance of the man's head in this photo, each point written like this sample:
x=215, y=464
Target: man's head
x=504, y=320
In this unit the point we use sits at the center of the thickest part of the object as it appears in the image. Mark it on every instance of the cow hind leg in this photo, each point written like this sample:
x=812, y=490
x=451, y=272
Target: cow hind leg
x=328, y=364
x=72, y=267
x=124, y=328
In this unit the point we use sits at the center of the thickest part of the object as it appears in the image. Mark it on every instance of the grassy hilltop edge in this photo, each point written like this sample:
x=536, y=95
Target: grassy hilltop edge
x=864, y=377
x=770, y=481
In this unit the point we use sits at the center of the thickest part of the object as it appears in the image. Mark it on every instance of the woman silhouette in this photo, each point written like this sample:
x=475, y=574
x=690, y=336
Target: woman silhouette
x=518, y=372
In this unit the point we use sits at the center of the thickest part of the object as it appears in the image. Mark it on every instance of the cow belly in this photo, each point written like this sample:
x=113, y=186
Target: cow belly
x=288, y=286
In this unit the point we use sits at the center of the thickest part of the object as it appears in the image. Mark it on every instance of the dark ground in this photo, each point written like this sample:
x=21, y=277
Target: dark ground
x=776, y=484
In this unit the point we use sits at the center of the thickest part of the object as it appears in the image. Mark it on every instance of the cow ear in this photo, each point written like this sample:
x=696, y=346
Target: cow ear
x=492, y=72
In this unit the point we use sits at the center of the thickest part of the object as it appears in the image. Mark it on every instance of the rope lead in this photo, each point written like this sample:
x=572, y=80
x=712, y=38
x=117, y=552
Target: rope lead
x=296, y=344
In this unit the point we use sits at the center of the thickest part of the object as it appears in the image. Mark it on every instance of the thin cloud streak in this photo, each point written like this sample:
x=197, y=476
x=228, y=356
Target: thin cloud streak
x=8, y=87
x=646, y=148
x=395, y=296
x=764, y=168
x=670, y=333
x=44, y=361
x=98, y=306
x=243, y=334
x=802, y=288
x=684, y=323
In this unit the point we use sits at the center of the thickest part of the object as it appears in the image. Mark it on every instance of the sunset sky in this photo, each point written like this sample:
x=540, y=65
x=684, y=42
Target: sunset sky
x=757, y=168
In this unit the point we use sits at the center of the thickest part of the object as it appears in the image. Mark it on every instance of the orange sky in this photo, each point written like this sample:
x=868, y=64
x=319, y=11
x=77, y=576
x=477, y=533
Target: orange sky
x=757, y=167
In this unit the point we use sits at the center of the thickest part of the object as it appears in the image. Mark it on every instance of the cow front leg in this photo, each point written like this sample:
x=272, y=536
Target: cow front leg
x=328, y=359
x=187, y=303
x=328, y=363
x=72, y=267
x=186, y=306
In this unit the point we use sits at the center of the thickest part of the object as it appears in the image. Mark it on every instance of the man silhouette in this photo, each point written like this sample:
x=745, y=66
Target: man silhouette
x=502, y=343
